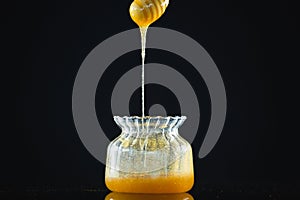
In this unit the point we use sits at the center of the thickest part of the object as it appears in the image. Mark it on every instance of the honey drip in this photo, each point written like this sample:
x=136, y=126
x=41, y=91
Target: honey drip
x=144, y=13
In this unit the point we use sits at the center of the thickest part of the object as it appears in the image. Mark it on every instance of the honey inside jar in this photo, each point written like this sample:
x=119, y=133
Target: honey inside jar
x=178, y=177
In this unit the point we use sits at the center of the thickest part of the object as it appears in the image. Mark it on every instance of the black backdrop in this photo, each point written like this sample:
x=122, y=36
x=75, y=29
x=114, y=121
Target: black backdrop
x=252, y=43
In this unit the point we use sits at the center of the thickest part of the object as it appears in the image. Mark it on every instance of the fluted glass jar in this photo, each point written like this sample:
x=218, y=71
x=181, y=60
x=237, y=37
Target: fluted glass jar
x=149, y=156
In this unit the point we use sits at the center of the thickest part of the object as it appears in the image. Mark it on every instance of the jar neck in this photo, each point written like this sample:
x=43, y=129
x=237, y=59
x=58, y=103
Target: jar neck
x=149, y=125
x=150, y=132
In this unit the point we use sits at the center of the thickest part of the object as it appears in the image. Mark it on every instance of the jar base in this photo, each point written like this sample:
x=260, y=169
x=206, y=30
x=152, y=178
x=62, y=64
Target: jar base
x=161, y=185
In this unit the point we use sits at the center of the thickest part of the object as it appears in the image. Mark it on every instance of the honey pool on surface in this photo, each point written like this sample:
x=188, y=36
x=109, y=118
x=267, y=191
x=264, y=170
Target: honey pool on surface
x=128, y=196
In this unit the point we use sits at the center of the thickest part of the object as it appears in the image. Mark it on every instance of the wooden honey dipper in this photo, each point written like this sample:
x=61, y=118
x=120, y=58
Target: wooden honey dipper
x=145, y=12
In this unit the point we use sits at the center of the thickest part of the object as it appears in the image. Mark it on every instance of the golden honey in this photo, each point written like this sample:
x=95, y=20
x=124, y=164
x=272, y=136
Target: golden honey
x=176, y=177
x=145, y=12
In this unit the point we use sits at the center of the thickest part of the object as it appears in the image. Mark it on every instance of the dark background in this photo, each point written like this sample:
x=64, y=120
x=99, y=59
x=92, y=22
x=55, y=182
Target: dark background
x=253, y=44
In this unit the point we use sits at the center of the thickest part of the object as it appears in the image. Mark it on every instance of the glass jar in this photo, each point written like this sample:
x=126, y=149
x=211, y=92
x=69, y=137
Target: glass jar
x=149, y=156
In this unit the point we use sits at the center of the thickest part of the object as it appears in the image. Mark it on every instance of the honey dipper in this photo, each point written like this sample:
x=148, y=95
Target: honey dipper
x=145, y=12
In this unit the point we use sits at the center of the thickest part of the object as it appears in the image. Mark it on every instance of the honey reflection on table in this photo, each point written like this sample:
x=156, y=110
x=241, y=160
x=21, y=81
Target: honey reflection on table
x=127, y=196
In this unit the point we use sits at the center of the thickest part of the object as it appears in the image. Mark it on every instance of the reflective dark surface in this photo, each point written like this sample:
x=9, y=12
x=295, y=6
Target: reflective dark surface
x=205, y=192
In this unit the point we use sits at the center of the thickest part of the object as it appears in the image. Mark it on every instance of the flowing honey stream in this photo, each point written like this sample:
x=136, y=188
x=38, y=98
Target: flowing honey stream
x=143, y=31
x=144, y=13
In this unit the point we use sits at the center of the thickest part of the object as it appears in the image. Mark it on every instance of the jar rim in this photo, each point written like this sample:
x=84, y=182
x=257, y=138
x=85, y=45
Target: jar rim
x=149, y=123
x=150, y=117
